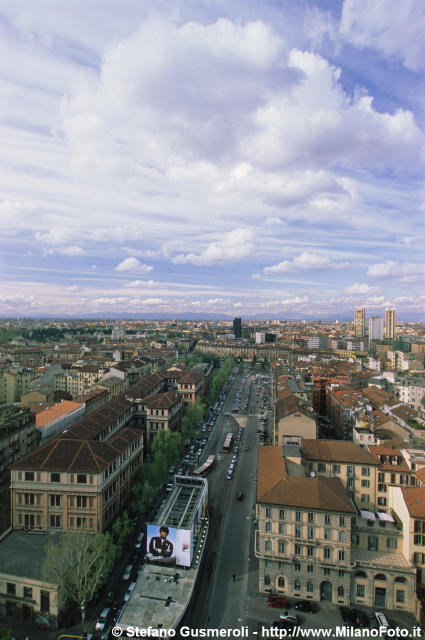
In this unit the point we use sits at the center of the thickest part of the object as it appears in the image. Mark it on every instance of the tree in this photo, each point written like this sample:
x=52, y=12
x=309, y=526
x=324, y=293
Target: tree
x=79, y=564
x=5, y=634
x=121, y=529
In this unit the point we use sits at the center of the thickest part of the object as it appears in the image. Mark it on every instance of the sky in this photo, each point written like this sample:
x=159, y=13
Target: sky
x=254, y=158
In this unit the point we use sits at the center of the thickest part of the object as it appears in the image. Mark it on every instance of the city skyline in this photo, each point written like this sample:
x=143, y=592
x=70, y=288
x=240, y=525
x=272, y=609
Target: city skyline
x=261, y=160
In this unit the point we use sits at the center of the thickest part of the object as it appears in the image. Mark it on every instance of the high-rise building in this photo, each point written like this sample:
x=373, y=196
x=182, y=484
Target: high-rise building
x=390, y=326
x=359, y=322
x=237, y=328
x=376, y=328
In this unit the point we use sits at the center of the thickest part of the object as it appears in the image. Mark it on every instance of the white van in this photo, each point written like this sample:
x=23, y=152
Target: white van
x=101, y=621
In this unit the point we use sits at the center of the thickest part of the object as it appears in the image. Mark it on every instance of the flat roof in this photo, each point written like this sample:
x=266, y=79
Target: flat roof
x=183, y=502
x=22, y=553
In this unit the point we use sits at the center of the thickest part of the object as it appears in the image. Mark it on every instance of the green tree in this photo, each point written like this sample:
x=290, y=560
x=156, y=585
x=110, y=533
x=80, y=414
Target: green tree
x=121, y=529
x=79, y=564
x=5, y=634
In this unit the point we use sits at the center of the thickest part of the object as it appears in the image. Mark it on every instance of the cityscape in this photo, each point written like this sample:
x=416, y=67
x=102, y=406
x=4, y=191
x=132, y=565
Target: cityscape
x=212, y=319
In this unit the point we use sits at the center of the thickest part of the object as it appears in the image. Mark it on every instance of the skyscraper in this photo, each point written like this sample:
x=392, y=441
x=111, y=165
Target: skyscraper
x=237, y=328
x=376, y=328
x=390, y=326
x=359, y=322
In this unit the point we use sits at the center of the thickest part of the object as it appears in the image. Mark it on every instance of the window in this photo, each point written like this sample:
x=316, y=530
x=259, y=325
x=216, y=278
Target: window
x=391, y=543
x=82, y=502
x=341, y=555
x=29, y=498
x=310, y=586
x=29, y=476
x=400, y=595
x=27, y=592
x=281, y=582
x=268, y=545
x=336, y=468
x=327, y=553
x=267, y=580
x=267, y=563
x=55, y=501
x=360, y=591
x=298, y=531
x=382, y=502
x=350, y=470
x=310, y=517
x=365, y=471
x=381, y=477
x=326, y=571
x=350, y=483
x=11, y=588
x=268, y=512
x=355, y=538
x=298, y=516
x=321, y=467
x=297, y=566
x=341, y=536
x=297, y=549
x=341, y=573
x=310, y=466
x=281, y=546
x=327, y=518
x=281, y=527
x=372, y=543
x=281, y=514
x=281, y=565
x=328, y=534
x=382, y=487
x=268, y=527
x=55, y=522
x=310, y=533
x=81, y=478
x=342, y=521
x=55, y=477
x=45, y=601
x=340, y=592
x=310, y=568
x=310, y=552
x=297, y=584
x=400, y=580
x=364, y=497
x=366, y=483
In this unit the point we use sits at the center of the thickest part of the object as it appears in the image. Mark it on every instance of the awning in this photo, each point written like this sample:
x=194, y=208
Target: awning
x=386, y=517
x=367, y=515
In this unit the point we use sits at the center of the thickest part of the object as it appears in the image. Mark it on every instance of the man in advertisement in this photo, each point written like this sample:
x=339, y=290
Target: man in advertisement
x=159, y=546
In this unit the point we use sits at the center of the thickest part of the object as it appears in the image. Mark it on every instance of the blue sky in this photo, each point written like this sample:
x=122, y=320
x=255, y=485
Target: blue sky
x=247, y=157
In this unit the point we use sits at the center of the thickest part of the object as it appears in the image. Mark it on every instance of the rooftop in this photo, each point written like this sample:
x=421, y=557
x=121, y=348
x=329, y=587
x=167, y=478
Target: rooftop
x=22, y=552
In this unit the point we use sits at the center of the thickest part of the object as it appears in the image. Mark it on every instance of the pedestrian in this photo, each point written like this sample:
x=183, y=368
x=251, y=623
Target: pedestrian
x=234, y=576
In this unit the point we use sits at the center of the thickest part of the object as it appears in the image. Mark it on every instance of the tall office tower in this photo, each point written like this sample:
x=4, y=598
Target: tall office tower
x=389, y=323
x=237, y=328
x=359, y=322
x=376, y=328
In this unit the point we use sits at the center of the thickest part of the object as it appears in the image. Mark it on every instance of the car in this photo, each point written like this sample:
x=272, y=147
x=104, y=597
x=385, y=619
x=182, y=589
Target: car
x=348, y=616
x=286, y=625
x=305, y=605
x=119, y=612
x=382, y=620
x=127, y=572
x=239, y=495
x=278, y=601
x=289, y=614
x=229, y=476
x=139, y=541
x=102, y=619
x=109, y=598
x=129, y=591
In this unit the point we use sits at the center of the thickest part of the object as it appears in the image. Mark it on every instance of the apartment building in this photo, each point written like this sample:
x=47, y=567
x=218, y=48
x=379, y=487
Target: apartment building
x=18, y=436
x=353, y=465
x=163, y=412
x=411, y=391
x=393, y=470
x=342, y=405
x=14, y=383
x=55, y=419
x=312, y=541
x=191, y=386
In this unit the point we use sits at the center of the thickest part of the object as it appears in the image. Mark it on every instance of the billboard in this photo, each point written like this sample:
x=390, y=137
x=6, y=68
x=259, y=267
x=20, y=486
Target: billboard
x=168, y=545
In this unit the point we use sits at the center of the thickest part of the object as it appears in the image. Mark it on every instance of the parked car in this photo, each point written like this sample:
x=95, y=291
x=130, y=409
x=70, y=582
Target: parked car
x=239, y=495
x=102, y=619
x=382, y=620
x=305, y=605
x=127, y=573
x=278, y=601
x=139, y=541
x=289, y=614
x=129, y=591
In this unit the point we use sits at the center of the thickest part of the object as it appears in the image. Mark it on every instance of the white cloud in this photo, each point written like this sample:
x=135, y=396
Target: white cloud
x=392, y=28
x=140, y=283
x=394, y=269
x=294, y=301
x=71, y=250
x=235, y=245
x=306, y=261
x=132, y=265
x=361, y=288
x=273, y=221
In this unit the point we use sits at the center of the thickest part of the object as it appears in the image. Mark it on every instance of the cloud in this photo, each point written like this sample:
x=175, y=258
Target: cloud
x=71, y=250
x=360, y=288
x=394, y=29
x=294, y=301
x=394, y=269
x=146, y=301
x=17, y=301
x=235, y=245
x=140, y=283
x=306, y=261
x=132, y=265
x=273, y=221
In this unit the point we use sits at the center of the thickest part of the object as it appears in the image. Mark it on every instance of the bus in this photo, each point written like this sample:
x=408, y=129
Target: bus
x=227, y=446
x=204, y=468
